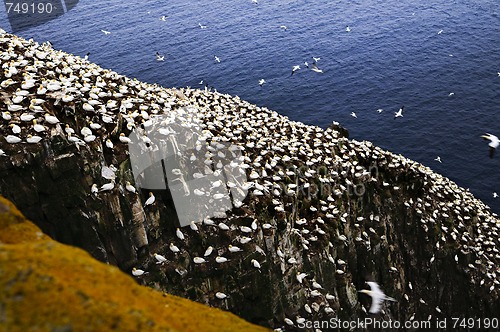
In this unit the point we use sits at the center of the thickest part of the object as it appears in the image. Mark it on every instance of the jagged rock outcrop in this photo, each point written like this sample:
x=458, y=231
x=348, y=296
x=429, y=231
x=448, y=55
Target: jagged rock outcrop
x=339, y=210
x=48, y=286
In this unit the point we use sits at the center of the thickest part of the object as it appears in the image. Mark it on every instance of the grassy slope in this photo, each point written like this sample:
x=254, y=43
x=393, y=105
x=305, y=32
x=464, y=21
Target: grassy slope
x=48, y=286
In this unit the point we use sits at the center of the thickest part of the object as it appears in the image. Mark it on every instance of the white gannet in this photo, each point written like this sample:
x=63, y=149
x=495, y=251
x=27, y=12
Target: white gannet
x=283, y=27
x=33, y=139
x=150, y=200
x=315, y=68
x=377, y=296
x=174, y=248
x=109, y=144
x=130, y=187
x=193, y=226
x=255, y=264
x=202, y=26
x=138, y=272
x=208, y=252
x=94, y=190
x=301, y=276
x=494, y=142
x=124, y=139
x=2, y=153
x=216, y=58
x=440, y=31
x=51, y=119
x=163, y=18
x=27, y=117
x=220, y=259
x=380, y=110
x=294, y=69
x=495, y=195
x=199, y=260
x=262, y=82
x=220, y=295
x=105, y=32
x=15, y=128
x=12, y=139
x=160, y=57
x=159, y=258
x=107, y=187
x=234, y=248
x=347, y=29
x=87, y=107
x=6, y=115
x=37, y=127
x=316, y=59
x=179, y=234
x=354, y=115
x=399, y=113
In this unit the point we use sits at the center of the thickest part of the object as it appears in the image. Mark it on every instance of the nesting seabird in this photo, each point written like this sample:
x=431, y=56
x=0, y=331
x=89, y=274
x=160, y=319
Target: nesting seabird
x=159, y=258
x=494, y=142
x=138, y=272
x=150, y=200
x=377, y=295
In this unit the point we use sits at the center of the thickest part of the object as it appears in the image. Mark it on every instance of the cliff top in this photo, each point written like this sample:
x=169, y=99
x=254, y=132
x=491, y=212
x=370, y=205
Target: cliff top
x=45, y=285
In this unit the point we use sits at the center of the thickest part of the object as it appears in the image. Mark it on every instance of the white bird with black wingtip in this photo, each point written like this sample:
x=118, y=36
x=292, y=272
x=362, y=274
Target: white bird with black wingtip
x=377, y=295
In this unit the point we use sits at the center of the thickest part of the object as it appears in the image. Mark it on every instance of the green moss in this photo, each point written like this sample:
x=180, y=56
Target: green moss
x=47, y=286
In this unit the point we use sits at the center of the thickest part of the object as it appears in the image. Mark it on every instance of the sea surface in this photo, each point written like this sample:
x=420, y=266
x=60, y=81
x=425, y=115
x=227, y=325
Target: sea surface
x=440, y=59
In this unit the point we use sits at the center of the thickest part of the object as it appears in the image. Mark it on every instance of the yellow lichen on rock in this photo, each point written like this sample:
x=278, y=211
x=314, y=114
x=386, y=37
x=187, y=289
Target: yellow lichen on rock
x=48, y=286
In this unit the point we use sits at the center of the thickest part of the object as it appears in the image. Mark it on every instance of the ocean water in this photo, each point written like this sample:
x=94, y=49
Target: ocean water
x=398, y=52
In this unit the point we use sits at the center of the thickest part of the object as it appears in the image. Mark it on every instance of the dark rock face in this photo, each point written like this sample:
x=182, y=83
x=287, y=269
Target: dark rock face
x=348, y=212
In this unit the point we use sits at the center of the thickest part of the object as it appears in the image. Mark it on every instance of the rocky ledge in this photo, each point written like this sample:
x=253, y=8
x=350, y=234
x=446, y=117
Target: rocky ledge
x=323, y=213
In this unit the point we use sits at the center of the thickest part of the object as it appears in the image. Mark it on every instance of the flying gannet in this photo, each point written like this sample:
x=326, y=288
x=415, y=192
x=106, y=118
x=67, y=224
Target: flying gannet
x=377, y=296
x=399, y=113
x=315, y=68
x=494, y=142
x=105, y=32
x=160, y=57
x=295, y=68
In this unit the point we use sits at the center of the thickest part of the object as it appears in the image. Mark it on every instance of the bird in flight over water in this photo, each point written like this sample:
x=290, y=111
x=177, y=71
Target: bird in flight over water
x=494, y=142
x=160, y=57
x=315, y=68
x=399, y=114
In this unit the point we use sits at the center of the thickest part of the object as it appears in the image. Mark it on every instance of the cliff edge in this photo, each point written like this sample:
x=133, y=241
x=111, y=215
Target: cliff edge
x=48, y=286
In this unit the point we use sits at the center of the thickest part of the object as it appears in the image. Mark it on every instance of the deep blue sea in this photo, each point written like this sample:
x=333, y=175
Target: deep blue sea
x=397, y=52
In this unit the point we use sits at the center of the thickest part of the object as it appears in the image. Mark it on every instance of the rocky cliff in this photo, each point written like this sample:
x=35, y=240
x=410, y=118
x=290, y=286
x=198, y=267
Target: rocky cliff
x=337, y=210
x=47, y=286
